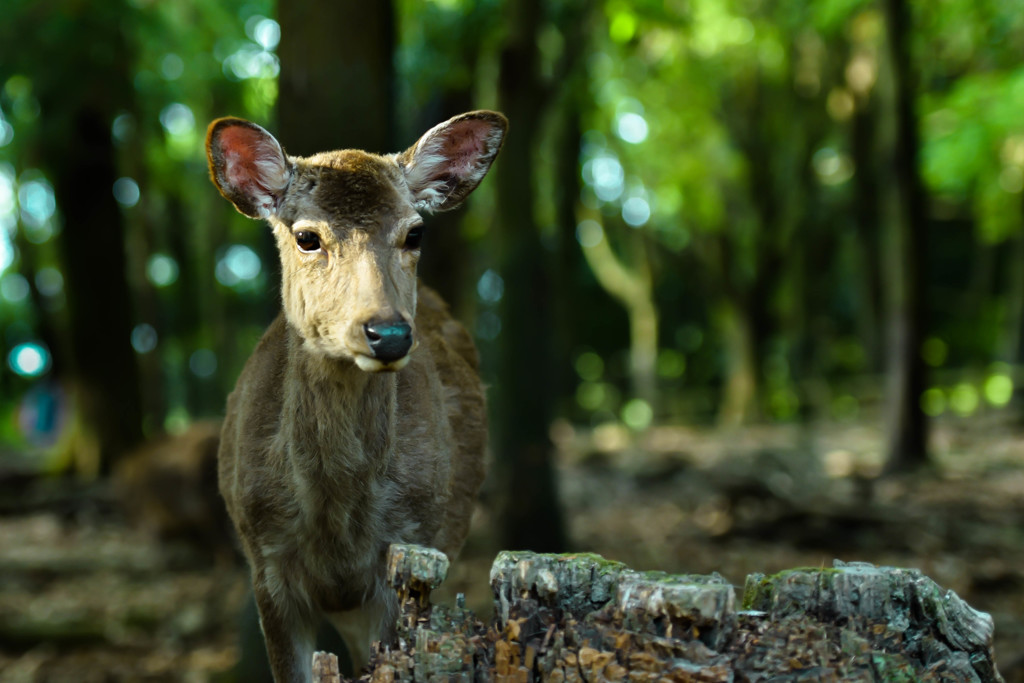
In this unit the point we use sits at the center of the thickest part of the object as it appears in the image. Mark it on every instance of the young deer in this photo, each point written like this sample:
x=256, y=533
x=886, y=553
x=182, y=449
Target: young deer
x=359, y=420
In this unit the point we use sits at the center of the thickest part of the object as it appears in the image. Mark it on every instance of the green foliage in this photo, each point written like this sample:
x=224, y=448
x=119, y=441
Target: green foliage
x=439, y=45
x=974, y=148
x=162, y=70
x=746, y=161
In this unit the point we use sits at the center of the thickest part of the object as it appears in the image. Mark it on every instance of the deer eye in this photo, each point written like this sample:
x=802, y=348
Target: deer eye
x=308, y=241
x=412, y=240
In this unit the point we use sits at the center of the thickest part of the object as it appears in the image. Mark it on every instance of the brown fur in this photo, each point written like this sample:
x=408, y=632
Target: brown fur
x=323, y=464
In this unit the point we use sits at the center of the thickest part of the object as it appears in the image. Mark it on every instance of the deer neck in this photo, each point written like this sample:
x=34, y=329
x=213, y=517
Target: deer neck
x=339, y=418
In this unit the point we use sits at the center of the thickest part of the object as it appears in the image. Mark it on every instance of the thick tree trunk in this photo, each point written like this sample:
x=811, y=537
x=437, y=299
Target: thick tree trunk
x=907, y=446
x=94, y=261
x=80, y=157
x=337, y=75
x=522, y=407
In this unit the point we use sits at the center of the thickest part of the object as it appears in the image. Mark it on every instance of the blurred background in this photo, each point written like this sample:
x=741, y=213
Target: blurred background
x=747, y=280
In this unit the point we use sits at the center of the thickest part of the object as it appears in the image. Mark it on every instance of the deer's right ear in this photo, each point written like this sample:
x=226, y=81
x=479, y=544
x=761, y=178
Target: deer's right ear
x=248, y=166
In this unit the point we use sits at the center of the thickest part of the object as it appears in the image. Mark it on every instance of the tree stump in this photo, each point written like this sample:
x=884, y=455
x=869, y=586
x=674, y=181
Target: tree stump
x=325, y=668
x=583, y=618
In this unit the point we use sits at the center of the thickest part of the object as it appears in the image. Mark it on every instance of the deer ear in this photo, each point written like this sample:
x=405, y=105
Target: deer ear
x=248, y=166
x=451, y=159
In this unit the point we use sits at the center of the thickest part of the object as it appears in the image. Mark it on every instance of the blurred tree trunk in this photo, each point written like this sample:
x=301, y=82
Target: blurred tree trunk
x=569, y=259
x=531, y=518
x=739, y=394
x=777, y=131
x=634, y=289
x=1009, y=344
x=79, y=155
x=337, y=75
x=907, y=431
x=79, y=93
x=194, y=316
x=94, y=261
x=864, y=147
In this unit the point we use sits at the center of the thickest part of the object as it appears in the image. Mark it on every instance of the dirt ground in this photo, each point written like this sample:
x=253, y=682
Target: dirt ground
x=86, y=595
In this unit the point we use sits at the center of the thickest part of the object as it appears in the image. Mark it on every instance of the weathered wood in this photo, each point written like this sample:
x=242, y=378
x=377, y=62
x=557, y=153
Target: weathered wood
x=583, y=618
x=325, y=668
x=901, y=612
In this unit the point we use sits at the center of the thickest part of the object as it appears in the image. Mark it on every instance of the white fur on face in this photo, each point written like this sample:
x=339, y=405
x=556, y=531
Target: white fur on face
x=369, y=364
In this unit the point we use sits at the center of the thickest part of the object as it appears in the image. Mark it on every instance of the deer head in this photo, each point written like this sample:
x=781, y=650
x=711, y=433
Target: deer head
x=348, y=227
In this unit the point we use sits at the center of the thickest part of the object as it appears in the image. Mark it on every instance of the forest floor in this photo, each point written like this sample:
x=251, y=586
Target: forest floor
x=87, y=596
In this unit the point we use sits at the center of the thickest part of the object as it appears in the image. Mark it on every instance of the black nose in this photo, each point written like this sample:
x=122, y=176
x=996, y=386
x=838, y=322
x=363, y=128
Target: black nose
x=389, y=341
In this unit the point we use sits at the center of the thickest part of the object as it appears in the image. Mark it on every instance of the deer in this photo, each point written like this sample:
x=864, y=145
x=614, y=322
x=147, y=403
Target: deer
x=359, y=420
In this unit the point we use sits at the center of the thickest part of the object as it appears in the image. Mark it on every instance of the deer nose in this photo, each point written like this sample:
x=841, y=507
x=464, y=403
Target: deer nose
x=389, y=340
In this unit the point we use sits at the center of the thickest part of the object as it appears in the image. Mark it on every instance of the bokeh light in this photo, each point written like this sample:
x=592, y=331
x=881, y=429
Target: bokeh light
x=636, y=211
x=238, y=265
x=203, y=363
x=177, y=119
x=126, y=192
x=162, y=270
x=144, y=338
x=490, y=287
x=631, y=127
x=30, y=359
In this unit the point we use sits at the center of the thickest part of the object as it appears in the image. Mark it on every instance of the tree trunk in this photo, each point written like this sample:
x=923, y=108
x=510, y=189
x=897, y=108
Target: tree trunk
x=569, y=262
x=78, y=152
x=337, y=75
x=99, y=306
x=1009, y=343
x=634, y=290
x=522, y=408
x=907, y=430
x=866, y=212
x=739, y=395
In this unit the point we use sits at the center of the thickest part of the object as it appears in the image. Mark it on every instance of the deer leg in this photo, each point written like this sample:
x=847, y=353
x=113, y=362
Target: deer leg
x=360, y=627
x=290, y=640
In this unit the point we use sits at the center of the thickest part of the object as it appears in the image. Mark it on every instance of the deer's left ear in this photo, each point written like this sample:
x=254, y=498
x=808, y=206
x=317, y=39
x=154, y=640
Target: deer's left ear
x=451, y=159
